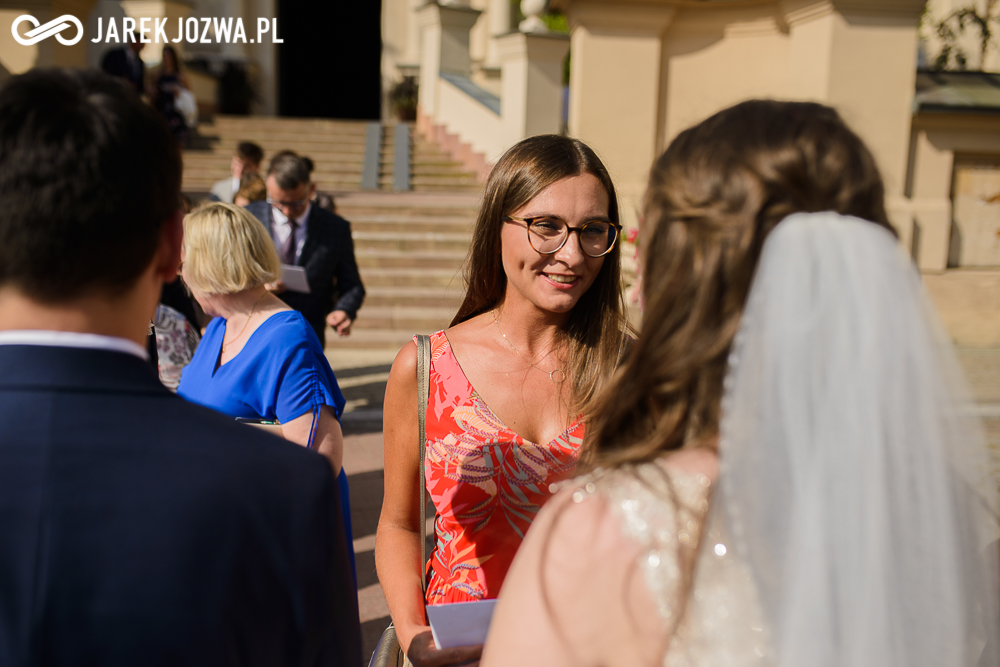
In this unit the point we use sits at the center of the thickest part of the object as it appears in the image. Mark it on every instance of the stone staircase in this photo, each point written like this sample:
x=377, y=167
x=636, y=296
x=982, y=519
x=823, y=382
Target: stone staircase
x=337, y=147
x=410, y=246
x=410, y=249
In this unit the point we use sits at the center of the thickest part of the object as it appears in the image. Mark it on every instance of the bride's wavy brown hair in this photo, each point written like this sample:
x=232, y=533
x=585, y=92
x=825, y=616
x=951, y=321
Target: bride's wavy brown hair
x=597, y=330
x=713, y=198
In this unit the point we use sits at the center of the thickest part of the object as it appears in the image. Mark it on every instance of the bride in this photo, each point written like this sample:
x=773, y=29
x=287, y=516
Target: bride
x=785, y=472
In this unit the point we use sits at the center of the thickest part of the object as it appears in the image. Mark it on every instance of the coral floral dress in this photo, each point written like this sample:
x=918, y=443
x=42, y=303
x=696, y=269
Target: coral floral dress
x=487, y=483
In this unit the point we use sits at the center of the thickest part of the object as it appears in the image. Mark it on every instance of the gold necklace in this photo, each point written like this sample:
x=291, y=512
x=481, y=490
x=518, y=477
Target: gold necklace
x=557, y=379
x=245, y=325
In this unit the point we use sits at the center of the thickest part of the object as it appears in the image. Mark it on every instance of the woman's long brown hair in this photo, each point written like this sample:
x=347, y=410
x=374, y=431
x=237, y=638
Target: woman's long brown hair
x=597, y=329
x=713, y=198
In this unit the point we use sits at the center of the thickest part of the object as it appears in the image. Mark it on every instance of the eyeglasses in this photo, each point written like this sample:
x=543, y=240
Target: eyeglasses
x=287, y=204
x=548, y=235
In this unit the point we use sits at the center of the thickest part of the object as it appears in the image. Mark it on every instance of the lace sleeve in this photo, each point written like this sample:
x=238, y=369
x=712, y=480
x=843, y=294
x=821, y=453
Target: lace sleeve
x=703, y=594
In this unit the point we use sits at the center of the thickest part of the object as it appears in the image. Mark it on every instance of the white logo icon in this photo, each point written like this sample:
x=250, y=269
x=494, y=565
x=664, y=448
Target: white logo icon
x=53, y=27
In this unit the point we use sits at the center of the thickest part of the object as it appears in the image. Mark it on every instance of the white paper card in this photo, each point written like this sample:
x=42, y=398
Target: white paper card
x=460, y=623
x=294, y=278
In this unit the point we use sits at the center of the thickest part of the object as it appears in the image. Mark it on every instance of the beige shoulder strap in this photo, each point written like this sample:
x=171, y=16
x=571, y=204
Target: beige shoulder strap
x=423, y=389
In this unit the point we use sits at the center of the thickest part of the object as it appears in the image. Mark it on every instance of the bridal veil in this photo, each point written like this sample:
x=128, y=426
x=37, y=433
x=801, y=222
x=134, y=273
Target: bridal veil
x=856, y=502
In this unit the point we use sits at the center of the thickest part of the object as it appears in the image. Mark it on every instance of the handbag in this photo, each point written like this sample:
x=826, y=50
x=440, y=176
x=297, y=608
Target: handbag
x=388, y=652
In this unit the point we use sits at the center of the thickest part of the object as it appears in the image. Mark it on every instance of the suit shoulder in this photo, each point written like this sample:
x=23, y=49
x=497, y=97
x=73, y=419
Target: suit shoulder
x=258, y=209
x=331, y=219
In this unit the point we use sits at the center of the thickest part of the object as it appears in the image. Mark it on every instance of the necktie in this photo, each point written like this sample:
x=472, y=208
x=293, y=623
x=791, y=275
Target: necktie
x=288, y=250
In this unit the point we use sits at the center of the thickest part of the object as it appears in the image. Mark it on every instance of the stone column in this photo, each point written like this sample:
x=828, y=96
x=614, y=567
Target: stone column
x=444, y=46
x=615, y=89
x=151, y=10
x=264, y=56
x=17, y=58
x=930, y=185
x=499, y=24
x=531, y=72
x=833, y=51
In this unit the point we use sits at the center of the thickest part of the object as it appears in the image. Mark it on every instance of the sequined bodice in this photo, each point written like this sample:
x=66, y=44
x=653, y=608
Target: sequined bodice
x=712, y=619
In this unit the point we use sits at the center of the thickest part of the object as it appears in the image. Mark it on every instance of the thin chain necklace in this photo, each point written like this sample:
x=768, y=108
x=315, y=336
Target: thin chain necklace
x=556, y=374
x=245, y=325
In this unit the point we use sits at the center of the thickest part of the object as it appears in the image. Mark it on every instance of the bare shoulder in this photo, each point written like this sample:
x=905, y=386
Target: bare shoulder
x=693, y=461
x=401, y=393
x=404, y=365
x=471, y=330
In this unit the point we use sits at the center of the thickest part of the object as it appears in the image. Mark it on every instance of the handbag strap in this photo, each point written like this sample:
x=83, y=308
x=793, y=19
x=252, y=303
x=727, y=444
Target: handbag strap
x=423, y=388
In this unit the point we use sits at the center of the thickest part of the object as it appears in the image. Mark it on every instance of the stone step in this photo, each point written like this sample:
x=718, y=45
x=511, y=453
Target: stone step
x=384, y=259
x=324, y=183
x=447, y=187
x=373, y=339
x=404, y=224
x=388, y=205
x=403, y=318
x=239, y=123
x=404, y=241
x=434, y=171
x=221, y=161
x=303, y=144
x=428, y=155
x=413, y=296
x=200, y=172
x=395, y=277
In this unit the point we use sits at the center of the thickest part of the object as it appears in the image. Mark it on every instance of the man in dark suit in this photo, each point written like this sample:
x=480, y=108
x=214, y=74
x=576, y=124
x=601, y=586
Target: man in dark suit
x=125, y=63
x=135, y=528
x=311, y=237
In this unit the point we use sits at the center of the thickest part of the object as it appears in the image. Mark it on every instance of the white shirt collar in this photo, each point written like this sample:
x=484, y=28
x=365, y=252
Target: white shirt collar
x=75, y=339
x=282, y=219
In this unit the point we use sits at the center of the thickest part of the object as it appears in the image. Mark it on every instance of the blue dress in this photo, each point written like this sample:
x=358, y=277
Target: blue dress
x=281, y=373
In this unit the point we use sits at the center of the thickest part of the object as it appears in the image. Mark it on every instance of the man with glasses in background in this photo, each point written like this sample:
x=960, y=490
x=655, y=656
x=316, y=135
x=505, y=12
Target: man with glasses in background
x=315, y=239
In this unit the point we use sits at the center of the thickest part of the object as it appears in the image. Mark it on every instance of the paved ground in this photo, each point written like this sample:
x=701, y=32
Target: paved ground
x=362, y=376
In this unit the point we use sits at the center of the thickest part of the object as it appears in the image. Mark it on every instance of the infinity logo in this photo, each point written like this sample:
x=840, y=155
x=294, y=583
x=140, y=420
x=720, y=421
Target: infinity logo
x=53, y=27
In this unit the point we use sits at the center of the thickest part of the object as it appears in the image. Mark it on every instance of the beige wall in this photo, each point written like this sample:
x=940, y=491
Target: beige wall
x=615, y=80
x=976, y=216
x=968, y=302
x=16, y=58
x=938, y=142
x=687, y=60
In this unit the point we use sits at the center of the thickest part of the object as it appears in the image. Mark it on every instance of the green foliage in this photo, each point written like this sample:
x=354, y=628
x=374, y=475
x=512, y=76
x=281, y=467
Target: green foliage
x=556, y=22
x=952, y=29
x=403, y=98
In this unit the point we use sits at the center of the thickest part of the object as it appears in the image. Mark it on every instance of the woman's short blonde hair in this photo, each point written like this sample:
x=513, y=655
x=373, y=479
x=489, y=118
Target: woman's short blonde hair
x=227, y=250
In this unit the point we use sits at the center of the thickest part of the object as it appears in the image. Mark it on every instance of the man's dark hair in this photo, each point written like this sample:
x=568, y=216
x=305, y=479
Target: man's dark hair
x=88, y=176
x=249, y=151
x=290, y=170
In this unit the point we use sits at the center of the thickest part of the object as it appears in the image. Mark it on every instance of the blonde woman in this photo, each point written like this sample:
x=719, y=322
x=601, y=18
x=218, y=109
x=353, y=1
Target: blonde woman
x=259, y=360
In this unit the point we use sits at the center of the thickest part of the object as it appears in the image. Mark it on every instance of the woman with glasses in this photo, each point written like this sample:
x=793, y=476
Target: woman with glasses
x=540, y=331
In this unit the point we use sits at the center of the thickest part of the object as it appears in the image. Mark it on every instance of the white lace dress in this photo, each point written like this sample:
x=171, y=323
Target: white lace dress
x=714, y=620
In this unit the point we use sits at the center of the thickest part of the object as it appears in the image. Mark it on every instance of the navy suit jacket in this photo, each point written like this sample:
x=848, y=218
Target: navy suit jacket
x=139, y=529
x=116, y=63
x=331, y=269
